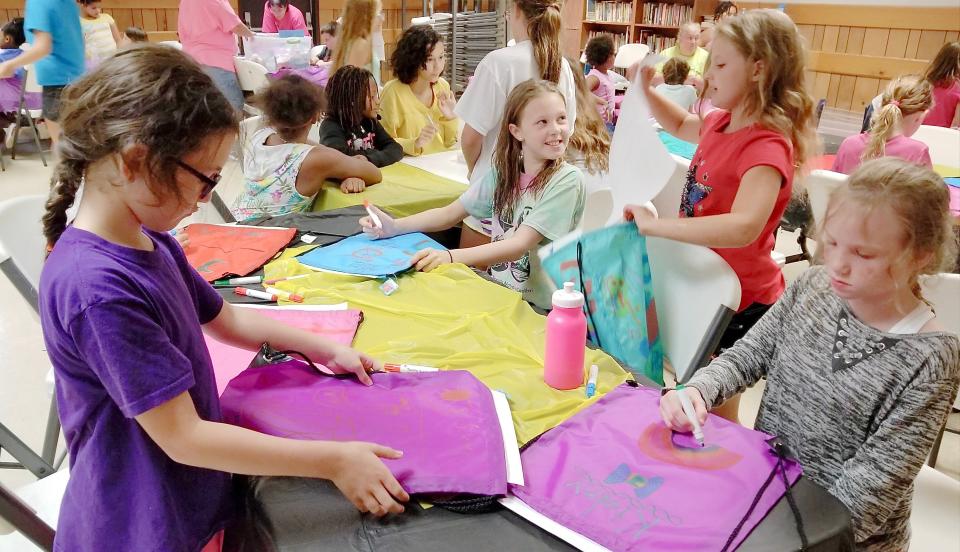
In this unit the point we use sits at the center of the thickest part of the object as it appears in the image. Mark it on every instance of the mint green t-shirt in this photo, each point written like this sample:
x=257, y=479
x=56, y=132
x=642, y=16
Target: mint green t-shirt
x=553, y=213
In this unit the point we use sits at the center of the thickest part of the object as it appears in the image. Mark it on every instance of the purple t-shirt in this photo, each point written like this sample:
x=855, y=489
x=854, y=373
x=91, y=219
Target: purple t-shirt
x=122, y=328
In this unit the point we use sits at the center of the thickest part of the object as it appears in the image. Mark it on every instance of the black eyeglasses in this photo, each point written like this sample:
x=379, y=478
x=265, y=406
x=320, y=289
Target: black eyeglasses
x=209, y=182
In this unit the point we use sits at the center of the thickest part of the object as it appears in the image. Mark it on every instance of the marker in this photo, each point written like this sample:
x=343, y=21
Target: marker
x=592, y=381
x=691, y=414
x=373, y=216
x=285, y=295
x=254, y=293
x=227, y=282
x=275, y=280
x=407, y=368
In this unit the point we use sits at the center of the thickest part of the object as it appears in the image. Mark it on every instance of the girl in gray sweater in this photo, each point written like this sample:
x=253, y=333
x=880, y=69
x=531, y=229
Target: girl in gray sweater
x=860, y=375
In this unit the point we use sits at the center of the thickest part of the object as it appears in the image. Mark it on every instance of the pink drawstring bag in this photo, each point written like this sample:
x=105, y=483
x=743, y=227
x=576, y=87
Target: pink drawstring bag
x=614, y=473
x=444, y=422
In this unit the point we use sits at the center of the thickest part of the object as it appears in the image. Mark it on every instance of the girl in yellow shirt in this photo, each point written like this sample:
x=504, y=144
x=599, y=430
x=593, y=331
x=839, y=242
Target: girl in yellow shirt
x=417, y=106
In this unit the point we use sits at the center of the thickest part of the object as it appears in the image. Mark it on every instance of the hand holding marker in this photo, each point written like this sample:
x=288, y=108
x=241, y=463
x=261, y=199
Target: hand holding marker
x=691, y=413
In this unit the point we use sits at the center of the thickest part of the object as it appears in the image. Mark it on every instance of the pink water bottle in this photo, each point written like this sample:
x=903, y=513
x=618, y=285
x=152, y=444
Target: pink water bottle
x=566, y=339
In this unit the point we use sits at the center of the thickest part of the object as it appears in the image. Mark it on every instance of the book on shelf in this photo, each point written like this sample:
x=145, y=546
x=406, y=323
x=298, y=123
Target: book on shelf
x=666, y=14
x=619, y=39
x=656, y=42
x=619, y=12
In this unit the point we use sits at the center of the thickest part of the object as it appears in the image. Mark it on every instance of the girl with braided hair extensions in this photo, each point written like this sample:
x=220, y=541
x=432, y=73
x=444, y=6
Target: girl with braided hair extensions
x=352, y=125
x=147, y=133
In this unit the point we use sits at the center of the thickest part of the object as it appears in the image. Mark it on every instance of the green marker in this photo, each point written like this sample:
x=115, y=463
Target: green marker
x=228, y=282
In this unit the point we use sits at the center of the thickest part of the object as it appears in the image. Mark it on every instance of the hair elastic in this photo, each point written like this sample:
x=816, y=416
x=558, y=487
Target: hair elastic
x=895, y=102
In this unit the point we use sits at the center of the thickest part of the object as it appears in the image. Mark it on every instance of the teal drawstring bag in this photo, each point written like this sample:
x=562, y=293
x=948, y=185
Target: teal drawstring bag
x=611, y=268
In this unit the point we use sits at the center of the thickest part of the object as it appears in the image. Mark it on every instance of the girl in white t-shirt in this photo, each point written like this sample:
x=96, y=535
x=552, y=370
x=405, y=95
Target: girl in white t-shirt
x=536, y=28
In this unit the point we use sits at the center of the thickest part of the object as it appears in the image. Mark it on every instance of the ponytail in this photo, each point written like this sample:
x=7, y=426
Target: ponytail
x=64, y=185
x=884, y=123
x=543, y=27
x=904, y=96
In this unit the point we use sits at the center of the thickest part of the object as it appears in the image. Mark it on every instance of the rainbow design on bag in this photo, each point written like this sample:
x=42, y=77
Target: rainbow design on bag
x=661, y=443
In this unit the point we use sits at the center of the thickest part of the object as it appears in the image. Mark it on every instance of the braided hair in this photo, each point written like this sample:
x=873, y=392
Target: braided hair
x=154, y=96
x=347, y=92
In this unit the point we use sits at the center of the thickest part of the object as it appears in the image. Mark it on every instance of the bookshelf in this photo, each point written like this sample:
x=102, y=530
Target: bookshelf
x=654, y=22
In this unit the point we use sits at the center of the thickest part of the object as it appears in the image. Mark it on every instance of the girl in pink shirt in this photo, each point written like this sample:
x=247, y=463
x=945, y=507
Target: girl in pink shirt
x=601, y=53
x=944, y=75
x=903, y=107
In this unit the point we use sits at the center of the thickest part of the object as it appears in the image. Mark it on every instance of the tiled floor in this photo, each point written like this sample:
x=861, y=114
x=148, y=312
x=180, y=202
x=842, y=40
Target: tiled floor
x=23, y=395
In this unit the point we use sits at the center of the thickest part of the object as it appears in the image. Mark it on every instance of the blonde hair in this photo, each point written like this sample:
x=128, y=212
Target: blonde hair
x=779, y=98
x=904, y=96
x=357, y=23
x=945, y=68
x=508, y=157
x=543, y=27
x=920, y=202
x=590, y=137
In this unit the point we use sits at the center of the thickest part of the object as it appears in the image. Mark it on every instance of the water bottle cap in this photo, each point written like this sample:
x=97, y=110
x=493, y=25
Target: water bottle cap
x=568, y=297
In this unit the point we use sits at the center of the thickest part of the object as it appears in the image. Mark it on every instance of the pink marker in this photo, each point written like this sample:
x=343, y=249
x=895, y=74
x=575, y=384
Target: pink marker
x=254, y=293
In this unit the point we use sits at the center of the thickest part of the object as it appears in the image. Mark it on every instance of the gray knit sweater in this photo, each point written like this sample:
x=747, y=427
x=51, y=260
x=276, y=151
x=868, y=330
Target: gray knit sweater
x=859, y=407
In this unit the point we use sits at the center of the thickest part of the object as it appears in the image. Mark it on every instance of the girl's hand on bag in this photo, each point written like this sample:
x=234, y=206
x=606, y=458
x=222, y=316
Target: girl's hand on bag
x=366, y=482
x=352, y=185
x=428, y=259
x=641, y=215
x=346, y=360
x=672, y=411
x=388, y=228
x=447, y=103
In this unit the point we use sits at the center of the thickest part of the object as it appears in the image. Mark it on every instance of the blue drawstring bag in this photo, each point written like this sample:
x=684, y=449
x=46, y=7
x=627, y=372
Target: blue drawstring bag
x=611, y=269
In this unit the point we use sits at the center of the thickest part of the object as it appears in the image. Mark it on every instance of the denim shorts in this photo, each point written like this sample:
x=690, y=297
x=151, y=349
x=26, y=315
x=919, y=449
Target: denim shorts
x=227, y=82
x=51, y=102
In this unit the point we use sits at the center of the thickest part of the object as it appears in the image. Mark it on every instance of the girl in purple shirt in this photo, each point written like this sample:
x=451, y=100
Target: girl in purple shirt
x=123, y=317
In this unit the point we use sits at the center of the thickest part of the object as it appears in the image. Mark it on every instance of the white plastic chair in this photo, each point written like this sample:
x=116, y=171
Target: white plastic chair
x=696, y=293
x=943, y=292
x=22, y=248
x=944, y=144
x=30, y=85
x=667, y=201
x=936, y=509
x=252, y=77
x=34, y=509
x=596, y=209
x=820, y=184
x=628, y=54
x=247, y=127
x=172, y=43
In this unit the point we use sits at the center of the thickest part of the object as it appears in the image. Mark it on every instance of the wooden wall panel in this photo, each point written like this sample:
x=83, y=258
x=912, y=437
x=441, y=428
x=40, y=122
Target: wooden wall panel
x=930, y=43
x=897, y=43
x=830, y=37
x=875, y=42
x=855, y=42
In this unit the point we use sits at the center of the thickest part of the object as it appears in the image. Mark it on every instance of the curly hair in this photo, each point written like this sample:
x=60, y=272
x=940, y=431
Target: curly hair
x=151, y=95
x=675, y=71
x=290, y=104
x=347, y=92
x=723, y=9
x=599, y=49
x=414, y=47
x=590, y=137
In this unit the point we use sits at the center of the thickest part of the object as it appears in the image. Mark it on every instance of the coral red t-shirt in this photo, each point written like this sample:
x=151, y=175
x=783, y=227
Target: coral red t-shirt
x=713, y=180
x=945, y=100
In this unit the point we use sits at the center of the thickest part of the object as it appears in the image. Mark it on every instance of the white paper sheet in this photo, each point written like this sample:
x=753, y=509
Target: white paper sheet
x=640, y=164
x=514, y=468
x=573, y=538
x=446, y=164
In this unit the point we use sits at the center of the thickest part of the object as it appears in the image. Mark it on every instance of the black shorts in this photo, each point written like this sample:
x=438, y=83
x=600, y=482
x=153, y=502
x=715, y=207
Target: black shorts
x=740, y=324
x=51, y=102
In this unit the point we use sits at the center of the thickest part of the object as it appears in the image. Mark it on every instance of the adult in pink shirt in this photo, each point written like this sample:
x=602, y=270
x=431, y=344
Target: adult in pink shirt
x=208, y=30
x=279, y=15
x=944, y=76
x=903, y=107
